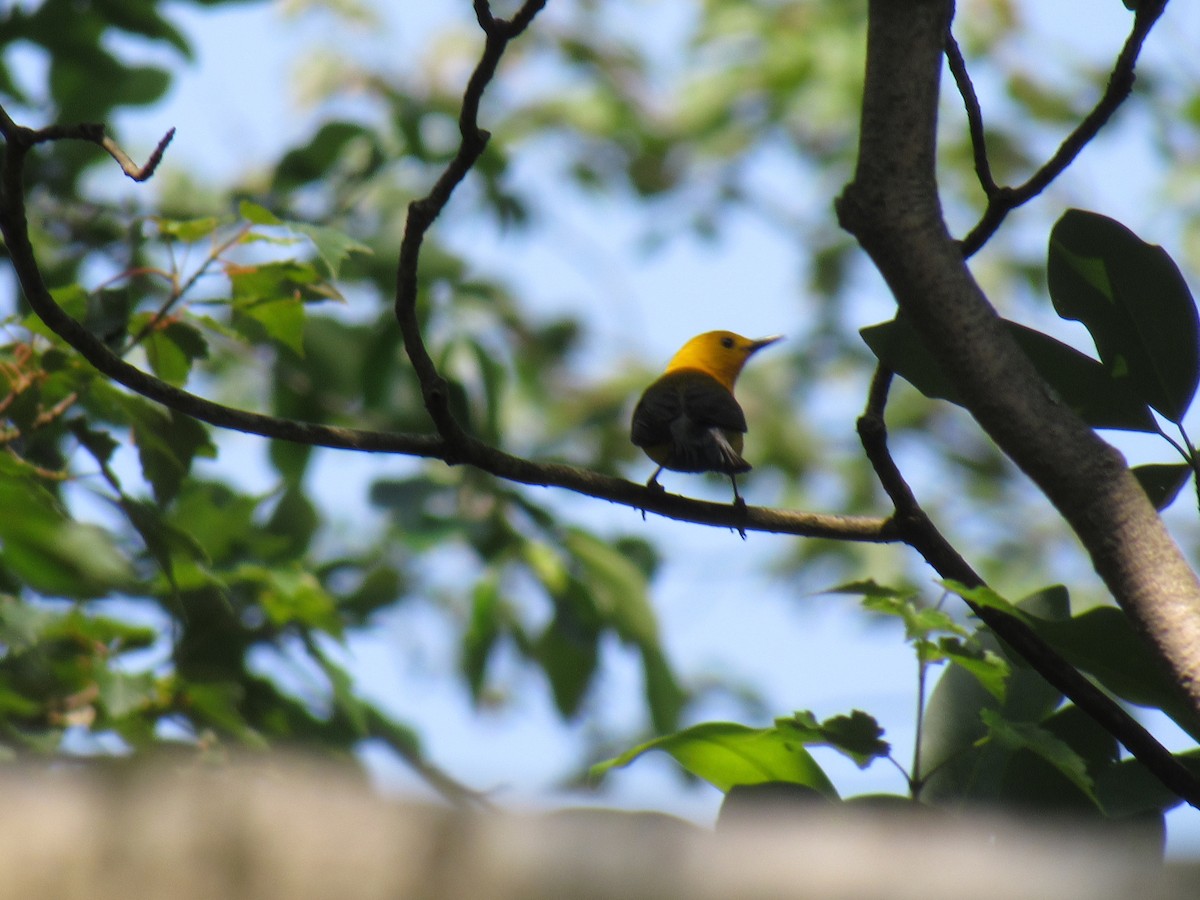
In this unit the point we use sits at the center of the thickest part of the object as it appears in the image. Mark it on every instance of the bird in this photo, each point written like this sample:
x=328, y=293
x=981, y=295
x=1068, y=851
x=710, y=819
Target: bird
x=688, y=420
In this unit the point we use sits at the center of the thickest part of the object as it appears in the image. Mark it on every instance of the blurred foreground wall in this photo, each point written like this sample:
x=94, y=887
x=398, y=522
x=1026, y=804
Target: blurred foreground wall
x=300, y=831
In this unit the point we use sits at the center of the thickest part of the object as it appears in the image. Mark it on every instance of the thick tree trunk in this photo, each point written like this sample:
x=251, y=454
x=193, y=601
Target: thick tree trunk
x=892, y=207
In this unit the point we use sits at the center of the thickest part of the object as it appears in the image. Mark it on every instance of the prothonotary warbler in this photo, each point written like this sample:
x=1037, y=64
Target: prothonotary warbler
x=688, y=419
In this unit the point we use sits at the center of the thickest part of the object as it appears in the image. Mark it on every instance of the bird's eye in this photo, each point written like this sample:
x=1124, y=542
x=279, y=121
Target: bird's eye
x=727, y=343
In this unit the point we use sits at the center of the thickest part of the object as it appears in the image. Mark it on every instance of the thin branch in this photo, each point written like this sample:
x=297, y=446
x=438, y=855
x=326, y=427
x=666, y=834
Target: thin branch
x=958, y=69
x=423, y=212
x=14, y=228
x=128, y=166
x=1002, y=200
x=923, y=536
x=91, y=132
x=178, y=290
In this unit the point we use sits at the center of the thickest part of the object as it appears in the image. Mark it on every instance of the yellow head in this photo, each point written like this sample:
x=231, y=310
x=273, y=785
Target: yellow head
x=721, y=354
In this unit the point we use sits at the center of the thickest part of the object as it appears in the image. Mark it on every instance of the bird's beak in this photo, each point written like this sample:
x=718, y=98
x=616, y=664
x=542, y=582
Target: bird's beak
x=755, y=346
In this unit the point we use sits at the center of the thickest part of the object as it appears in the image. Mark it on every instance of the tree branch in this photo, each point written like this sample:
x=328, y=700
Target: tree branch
x=923, y=536
x=423, y=212
x=14, y=228
x=1002, y=200
x=892, y=207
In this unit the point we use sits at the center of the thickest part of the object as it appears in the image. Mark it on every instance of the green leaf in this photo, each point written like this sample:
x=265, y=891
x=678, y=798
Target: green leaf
x=333, y=246
x=1104, y=643
x=158, y=535
x=726, y=754
x=74, y=301
x=171, y=350
x=618, y=587
x=857, y=735
x=257, y=215
x=1129, y=788
x=1028, y=736
x=982, y=595
x=870, y=588
x=123, y=693
x=330, y=147
x=217, y=703
x=568, y=652
x=48, y=551
x=345, y=700
x=483, y=630
x=919, y=621
x=1162, y=482
x=988, y=668
x=664, y=696
x=1097, y=396
x=953, y=765
x=107, y=315
x=167, y=443
x=188, y=230
x=1134, y=301
x=293, y=595
x=279, y=320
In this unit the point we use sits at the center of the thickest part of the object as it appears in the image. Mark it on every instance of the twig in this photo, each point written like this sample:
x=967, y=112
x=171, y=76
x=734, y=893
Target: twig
x=128, y=166
x=1002, y=200
x=922, y=535
x=178, y=290
x=422, y=213
x=958, y=69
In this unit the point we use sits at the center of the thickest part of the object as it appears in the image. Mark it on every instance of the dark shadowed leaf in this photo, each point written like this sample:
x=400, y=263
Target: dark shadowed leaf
x=1133, y=299
x=857, y=735
x=1162, y=482
x=1099, y=398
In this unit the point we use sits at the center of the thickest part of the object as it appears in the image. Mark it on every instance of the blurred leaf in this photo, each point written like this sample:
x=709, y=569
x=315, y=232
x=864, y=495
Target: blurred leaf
x=481, y=634
x=171, y=350
x=258, y=215
x=295, y=519
x=619, y=587
x=292, y=596
x=332, y=246
x=107, y=315
x=123, y=693
x=280, y=321
x=664, y=697
x=167, y=443
x=330, y=147
x=216, y=704
x=345, y=700
x=47, y=550
x=188, y=230
x=1132, y=298
x=568, y=651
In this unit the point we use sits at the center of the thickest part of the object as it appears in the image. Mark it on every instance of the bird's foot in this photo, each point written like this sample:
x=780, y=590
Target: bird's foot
x=740, y=505
x=653, y=485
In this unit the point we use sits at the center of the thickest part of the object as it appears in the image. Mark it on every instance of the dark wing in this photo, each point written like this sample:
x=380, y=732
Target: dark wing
x=708, y=404
x=689, y=422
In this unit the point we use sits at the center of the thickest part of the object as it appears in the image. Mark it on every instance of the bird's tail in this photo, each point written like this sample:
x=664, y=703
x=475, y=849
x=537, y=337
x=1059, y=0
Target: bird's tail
x=728, y=461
